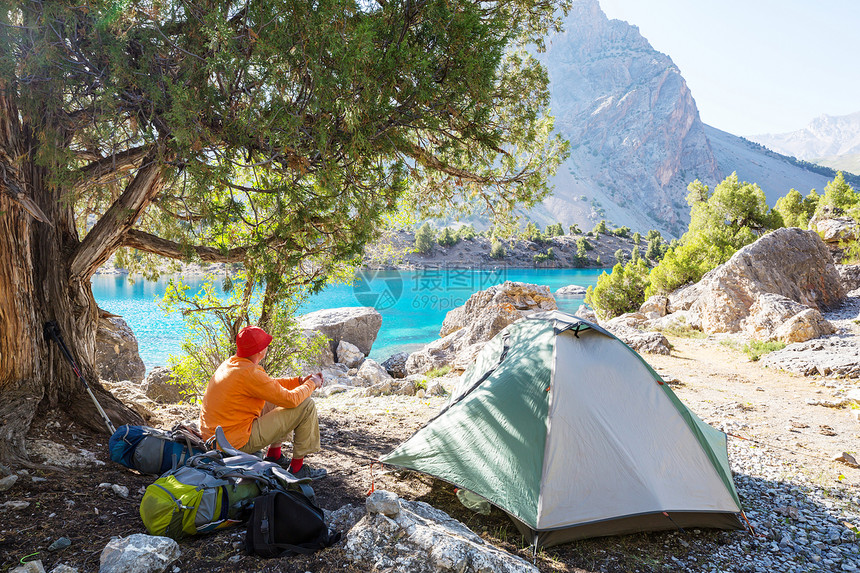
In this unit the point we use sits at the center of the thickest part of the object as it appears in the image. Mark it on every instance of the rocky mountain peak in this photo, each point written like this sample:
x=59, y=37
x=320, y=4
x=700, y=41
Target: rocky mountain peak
x=634, y=128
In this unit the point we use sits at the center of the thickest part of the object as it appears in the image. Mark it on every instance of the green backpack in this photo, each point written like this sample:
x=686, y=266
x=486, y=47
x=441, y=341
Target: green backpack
x=213, y=490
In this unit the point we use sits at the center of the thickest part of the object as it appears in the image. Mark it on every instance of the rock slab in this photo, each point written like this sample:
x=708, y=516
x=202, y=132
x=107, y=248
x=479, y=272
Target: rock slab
x=117, y=355
x=422, y=539
x=357, y=325
x=138, y=553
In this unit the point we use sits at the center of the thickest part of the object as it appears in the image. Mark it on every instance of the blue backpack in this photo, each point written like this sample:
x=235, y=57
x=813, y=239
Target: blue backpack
x=153, y=451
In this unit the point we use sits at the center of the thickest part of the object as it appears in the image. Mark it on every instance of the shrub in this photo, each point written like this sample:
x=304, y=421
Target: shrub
x=620, y=256
x=637, y=238
x=447, y=238
x=621, y=231
x=425, y=238
x=755, y=349
x=437, y=372
x=532, y=233
x=574, y=229
x=497, y=250
x=549, y=255
x=623, y=290
x=599, y=228
x=554, y=230
x=466, y=233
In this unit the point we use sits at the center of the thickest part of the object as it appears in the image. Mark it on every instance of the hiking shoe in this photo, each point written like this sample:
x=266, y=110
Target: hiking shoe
x=282, y=461
x=308, y=472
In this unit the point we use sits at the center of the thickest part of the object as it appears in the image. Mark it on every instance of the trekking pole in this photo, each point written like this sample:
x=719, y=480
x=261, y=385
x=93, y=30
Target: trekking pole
x=52, y=331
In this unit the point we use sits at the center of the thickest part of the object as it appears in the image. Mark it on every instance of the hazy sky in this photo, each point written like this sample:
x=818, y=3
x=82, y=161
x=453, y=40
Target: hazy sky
x=757, y=66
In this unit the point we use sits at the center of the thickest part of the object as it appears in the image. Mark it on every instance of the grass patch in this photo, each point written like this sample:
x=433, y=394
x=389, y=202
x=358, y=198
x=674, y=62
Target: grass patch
x=731, y=344
x=437, y=372
x=756, y=349
x=681, y=329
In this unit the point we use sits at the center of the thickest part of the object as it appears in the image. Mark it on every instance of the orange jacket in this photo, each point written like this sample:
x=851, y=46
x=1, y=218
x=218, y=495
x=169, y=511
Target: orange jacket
x=236, y=394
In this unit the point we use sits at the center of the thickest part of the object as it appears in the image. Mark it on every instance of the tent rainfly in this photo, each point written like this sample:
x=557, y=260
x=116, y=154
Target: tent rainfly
x=572, y=434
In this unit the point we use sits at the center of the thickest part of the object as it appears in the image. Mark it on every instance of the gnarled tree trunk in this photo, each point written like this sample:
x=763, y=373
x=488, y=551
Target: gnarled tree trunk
x=37, y=242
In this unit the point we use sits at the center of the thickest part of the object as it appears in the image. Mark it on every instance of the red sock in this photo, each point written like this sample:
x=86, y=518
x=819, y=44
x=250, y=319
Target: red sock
x=296, y=464
x=274, y=453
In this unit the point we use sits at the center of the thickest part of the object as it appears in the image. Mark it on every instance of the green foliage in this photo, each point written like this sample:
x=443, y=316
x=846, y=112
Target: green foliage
x=549, y=255
x=755, y=349
x=839, y=197
x=621, y=231
x=497, y=250
x=623, y=290
x=681, y=329
x=597, y=261
x=466, y=233
x=795, y=210
x=279, y=135
x=583, y=244
x=599, y=228
x=620, y=256
x=582, y=248
x=438, y=372
x=637, y=238
x=656, y=249
x=533, y=233
x=554, y=230
x=213, y=318
x=720, y=223
x=447, y=238
x=635, y=256
x=574, y=229
x=425, y=237
x=653, y=234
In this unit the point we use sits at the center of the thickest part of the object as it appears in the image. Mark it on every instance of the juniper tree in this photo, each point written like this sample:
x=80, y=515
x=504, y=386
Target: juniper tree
x=271, y=133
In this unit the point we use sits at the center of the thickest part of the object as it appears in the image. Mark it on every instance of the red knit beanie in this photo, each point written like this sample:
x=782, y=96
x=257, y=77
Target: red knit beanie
x=251, y=340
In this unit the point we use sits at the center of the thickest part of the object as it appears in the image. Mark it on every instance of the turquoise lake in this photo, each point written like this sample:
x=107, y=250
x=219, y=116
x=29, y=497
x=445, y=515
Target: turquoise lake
x=413, y=304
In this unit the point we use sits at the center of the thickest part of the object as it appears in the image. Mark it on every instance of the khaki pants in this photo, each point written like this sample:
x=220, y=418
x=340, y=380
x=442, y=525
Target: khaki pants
x=276, y=424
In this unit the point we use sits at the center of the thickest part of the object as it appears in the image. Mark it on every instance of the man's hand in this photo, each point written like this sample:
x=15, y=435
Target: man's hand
x=317, y=379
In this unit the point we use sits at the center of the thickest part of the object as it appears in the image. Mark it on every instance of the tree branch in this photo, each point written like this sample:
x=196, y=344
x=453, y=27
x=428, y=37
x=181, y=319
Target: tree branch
x=156, y=245
x=106, y=236
x=97, y=170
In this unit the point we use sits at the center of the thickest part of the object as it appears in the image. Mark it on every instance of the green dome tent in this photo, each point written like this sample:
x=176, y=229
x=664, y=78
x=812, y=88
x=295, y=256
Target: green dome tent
x=566, y=429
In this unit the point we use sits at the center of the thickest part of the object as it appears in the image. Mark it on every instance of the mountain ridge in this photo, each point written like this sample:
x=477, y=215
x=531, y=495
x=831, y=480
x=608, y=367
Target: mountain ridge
x=636, y=137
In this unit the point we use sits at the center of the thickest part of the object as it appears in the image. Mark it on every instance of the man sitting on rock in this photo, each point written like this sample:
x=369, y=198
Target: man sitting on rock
x=256, y=411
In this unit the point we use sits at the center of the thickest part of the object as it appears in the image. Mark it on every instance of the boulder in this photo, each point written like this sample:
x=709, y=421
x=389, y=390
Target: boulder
x=158, y=387
x=487, y=312
x=132, y=396
x=789, y=262
x=395, y=365
x=850, y=275
x=586, y=313
x=117, y=356
x=571, y=290
x=421, y=539
x=836, y=229
x=372, y=373
x=683, y=298
x=138, y=553
x=467, y=328
x=768, y=313
x=437, y=354
x=349, y=355
x=648, y=342
x=358, y=325
x=655, y=306
x=803, y=326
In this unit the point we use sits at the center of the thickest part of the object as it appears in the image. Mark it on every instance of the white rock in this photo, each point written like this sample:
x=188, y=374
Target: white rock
x=349, y=355
x=372, y=373
x=7, y=482
x=139, y=553
x=384, y=502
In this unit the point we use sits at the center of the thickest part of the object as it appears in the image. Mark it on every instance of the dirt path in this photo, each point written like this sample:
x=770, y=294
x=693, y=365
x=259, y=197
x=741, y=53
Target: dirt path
x=739, y=396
